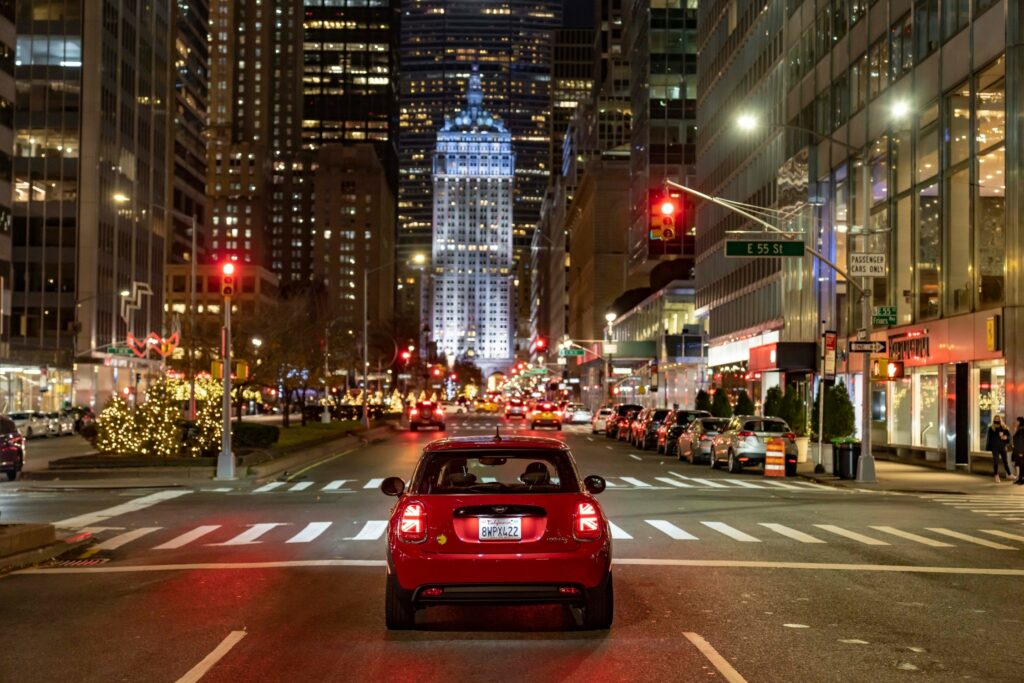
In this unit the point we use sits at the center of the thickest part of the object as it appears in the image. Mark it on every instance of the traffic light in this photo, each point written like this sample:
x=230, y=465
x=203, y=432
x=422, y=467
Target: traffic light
x=540, y=344
x=894, y=369
x=666, y=214
x=227, y=279
x=406, y=356
x=437, y=371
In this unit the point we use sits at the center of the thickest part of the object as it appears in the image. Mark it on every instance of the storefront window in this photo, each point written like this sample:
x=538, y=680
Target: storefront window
x=901, y=412
x=903, y=272
x=926, y=391
x=990, y=227
x=989, y=384
x=928, y=252
x=958, y=237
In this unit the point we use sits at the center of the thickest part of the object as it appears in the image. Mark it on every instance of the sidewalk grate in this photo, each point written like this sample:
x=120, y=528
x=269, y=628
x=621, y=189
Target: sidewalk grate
x=92, y=562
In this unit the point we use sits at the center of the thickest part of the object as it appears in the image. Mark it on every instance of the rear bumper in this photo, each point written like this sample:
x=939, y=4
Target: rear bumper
x=427, y=423
x=500, y=594
x=545, y=421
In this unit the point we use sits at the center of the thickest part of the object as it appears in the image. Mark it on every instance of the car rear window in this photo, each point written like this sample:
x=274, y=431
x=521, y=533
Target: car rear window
x=623, y=410
x=20, y=416
x=659, y=415
x=713, y=425
x=766, y=426
x=513, y=471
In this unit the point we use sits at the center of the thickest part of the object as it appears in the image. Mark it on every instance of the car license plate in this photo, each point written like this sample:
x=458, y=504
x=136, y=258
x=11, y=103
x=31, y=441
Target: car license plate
x=498, y=529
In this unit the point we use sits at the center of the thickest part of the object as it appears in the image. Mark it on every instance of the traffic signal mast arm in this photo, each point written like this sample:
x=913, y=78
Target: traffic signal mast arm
x=749, y=216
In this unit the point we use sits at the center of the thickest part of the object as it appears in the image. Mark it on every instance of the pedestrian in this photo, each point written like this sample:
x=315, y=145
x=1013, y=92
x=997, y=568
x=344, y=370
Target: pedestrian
x=1018, y=451
x=998, y=439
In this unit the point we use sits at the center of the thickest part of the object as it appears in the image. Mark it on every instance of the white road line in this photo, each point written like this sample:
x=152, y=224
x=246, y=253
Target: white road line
x=126, y=537
x=312, y=530
x=187, y=537
x=635, y=482
x=301, y=486
x=249, y=536
x=636, y=457
x=674, y=482
x=743, y=484
x=704, y=482
x=913, y=537
x=671, y=530
x=812, y=485
x=723, y=528
x=780, y=484
x=791, y=533
x=1003, y=534
x=371, y=531
x=200, y=669
x=134, y=505
x=269, y=487
x=853, y=535
x=373, y=484
x=618, y=532
x=488, y=480
x=718, y=661
x=971, y=539
x=335, y=485
x=997, y=511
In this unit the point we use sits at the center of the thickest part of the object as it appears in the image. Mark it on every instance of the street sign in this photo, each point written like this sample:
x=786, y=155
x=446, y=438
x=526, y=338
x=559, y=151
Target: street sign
x=884, y=316
x=570, y=352
x=867, y=265
x=405, y=375
x=561, y=360
x=609, y=347
x=536, y=371
x=830, y=342
x=867, y=347
x=119, y=351
x=769, y=248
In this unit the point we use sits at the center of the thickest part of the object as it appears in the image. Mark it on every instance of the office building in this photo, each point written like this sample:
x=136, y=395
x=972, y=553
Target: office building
x=7, y=104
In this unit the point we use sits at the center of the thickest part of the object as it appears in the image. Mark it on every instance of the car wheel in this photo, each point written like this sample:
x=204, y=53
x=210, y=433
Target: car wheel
x=659, y=449
x=413, y=428
x=441, y=428
x=559, y=427
x=713, y=459
x=11, y=475
x=399, y=612
x=28, y=433
x=600, y=606
x=679, y=452
x=734, y=465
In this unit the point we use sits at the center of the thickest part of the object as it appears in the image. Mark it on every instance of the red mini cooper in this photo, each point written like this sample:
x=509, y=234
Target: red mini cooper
x=496, y=520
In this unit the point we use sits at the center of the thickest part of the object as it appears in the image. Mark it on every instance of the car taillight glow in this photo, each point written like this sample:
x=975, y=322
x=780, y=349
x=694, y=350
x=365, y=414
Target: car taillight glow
x=433, y=592
x=412, y=526
x=586, y=524
x=744, y=435
x=439, y=412
x=789, y=435
x=414, y=412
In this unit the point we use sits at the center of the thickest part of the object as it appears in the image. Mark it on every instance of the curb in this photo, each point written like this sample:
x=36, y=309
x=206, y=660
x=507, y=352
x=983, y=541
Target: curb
x=45, y=553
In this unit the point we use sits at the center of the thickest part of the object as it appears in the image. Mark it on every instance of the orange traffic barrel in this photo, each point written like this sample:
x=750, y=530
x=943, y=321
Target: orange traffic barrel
x=775, y=458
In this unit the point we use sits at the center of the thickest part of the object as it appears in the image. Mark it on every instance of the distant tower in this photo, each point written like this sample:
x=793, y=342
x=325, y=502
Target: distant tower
x=474, y=167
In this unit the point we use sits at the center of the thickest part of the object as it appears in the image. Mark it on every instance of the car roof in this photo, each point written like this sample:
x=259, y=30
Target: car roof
x=494, y=443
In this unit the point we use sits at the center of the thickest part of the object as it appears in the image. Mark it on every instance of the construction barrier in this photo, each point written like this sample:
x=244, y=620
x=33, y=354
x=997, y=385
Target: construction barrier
x=775, y=458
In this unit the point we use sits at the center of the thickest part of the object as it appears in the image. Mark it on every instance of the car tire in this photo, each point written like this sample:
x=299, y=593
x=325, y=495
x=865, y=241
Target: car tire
x=734, y=465
x=413, y=428
x=533, y=425
x=593, y=431
x=28, y=433
x=659, y=449
x=600, y=606
x=713, y=459
x=399, y=612
x=11, y=475
x=559, y=427
x=679, y=452
x=441, y=428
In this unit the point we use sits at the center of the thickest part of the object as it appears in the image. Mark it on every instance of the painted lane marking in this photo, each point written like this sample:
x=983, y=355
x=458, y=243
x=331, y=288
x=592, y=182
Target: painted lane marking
x=744, y=484
x=134, y=505
x=812, y=485
x=671, y=530
x=618, y=532
x=335, y=485
x=488, y=480
x=610, y=484
x=1003, y=534
x=723, y=528
x=126, y=537
x=373, y=484
x=635, y=482
x=853, y=535
x=791, y=533
x=704, y=482
x=301, y=486
x=781, y=485
x=312, y=530
x=187, y=537
x=913, y=537
x=269, y=487
x=250, y=535
x=636, y=457
x=718, y=661
x=673, y=482
x=208, y=662
x=971, y=539
x=371, y=531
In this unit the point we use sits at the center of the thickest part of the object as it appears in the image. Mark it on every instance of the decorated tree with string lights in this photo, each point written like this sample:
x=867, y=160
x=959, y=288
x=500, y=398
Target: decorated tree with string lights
x=157, y=420
x=116, y=429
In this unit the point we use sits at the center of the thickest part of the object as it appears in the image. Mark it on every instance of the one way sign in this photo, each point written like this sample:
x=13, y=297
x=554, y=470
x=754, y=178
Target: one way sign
x=867, y=347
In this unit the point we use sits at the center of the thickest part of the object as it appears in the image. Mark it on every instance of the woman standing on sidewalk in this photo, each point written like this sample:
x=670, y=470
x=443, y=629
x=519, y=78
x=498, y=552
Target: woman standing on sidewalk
x=1018, y=451
x=998, y=440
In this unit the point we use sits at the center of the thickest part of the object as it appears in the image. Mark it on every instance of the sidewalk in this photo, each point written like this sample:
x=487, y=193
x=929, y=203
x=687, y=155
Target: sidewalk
x=905, y=478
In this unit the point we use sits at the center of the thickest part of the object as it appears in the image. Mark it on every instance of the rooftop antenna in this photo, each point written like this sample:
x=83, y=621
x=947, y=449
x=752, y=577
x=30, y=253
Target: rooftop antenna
x=497, y=432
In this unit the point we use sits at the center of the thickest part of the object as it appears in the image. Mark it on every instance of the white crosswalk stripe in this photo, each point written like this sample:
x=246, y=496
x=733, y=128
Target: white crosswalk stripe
x=912, y=537
x=674, y=482
x=126, y=537
x=310, y=533
x=791, y=533
x=971, y=539
x=1003, y=534
x=269, y=487
x=374, y=484
x=187, y=537
x=618, y=533
x=250, y=535
x=301, y=486
x=635, y=482
x=371, y=531
x=852, y=535
x=781, y=484
x=335, y=485
x=743, y=484
x=671, y=530
x=704, y=482
x=731, y=532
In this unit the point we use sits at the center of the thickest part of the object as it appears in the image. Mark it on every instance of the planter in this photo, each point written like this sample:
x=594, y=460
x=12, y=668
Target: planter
x=826, y=454
x=802, y=443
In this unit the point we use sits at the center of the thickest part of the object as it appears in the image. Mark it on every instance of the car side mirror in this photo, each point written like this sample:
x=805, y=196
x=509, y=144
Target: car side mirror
x=594, y=484
x=392, y=486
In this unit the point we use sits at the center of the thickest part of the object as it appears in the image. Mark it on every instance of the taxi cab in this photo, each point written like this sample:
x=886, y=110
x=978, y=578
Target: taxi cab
x=545, y=413
x=498, y=521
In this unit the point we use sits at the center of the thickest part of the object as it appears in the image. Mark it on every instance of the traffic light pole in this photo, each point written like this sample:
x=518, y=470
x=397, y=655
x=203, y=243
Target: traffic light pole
x=366, y=351
x=226, y=459
x=866, y=462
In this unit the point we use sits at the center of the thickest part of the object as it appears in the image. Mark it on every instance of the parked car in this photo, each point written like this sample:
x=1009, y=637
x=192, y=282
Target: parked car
x=67, y=423
x=12, y=449
x=578, y=414
x=619, y=419
x=634, y=425
x=647, y=432
x=426, y=414
x=626, y=428
x=497, y=520
x=695, y=442
x=744, y=442
x=31, y=423
x=546, y=414
x=674, y=424
x=600, y=420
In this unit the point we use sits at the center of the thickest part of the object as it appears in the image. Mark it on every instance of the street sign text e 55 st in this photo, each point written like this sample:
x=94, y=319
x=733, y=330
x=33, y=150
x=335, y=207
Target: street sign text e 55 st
x=763, y=248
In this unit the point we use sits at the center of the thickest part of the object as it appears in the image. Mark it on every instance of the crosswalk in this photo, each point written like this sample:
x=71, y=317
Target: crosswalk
x=158, y=539
x=1007, y=507
x=672, y=480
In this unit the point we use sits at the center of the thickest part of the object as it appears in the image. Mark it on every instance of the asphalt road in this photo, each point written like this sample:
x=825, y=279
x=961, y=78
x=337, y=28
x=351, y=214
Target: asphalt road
x=718, y=577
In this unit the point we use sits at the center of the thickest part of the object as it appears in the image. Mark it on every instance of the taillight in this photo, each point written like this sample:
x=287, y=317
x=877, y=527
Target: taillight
x=586, y=524
x=705, y=438
x=789, y=435
x=412, y=525
x=744, y=435
x=413, y=412
x=439, y=412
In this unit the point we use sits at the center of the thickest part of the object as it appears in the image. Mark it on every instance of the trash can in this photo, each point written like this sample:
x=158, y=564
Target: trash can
x=844, y=456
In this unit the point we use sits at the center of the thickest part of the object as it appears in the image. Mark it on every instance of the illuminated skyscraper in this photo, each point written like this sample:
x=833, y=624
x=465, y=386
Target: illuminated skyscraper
x=473, y=182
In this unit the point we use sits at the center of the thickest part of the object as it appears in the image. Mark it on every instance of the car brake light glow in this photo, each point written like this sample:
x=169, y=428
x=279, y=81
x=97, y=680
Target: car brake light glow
x=433, y=592
x=744, y=434
x=568, y=590
x=789, y=435
x=414, y=412
x=412, y=526
x=439, y=412
x=586, y=522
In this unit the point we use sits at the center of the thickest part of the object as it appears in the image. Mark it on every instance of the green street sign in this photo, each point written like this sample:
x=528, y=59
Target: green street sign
x=537, y=371
x=767, y=248
x=563, y=353
x=884, y=316
x=119, y=351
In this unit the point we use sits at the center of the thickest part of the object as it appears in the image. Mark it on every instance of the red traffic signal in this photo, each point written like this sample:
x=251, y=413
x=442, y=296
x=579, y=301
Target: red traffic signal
x=540, y=344
x=894, y=369
x=437, y=372
x=666, y=214
x=406, y=356
x=228, y=282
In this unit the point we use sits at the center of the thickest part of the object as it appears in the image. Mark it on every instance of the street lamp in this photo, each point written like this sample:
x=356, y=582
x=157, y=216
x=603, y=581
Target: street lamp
x=121, y=198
